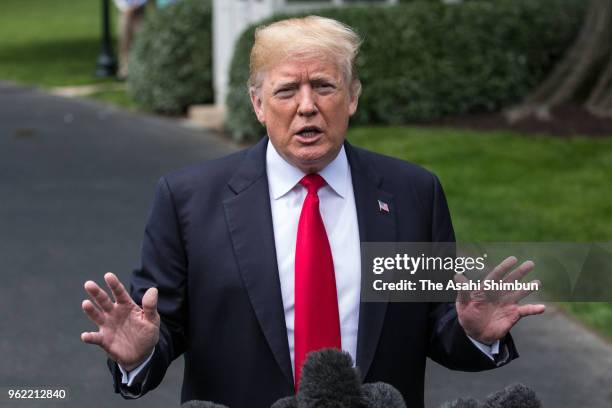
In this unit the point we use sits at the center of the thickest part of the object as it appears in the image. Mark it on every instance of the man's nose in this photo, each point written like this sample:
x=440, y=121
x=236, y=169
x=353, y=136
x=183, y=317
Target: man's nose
x=307, y=105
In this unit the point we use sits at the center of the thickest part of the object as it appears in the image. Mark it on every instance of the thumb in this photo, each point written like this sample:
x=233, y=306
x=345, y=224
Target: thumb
x=149, y=304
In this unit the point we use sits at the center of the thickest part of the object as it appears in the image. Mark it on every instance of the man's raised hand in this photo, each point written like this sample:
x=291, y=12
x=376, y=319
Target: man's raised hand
x=126, y=332
x=487, y=316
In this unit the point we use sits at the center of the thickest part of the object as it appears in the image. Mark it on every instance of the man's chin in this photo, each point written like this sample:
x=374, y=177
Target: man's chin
x=313, y=163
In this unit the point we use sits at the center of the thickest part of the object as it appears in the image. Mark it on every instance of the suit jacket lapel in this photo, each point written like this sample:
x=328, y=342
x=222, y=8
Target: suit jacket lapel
x=374, y=226
x=249, y=220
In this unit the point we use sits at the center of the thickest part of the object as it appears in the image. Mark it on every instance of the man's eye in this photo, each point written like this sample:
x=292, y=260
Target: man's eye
x=285, y=92
x=325, y=87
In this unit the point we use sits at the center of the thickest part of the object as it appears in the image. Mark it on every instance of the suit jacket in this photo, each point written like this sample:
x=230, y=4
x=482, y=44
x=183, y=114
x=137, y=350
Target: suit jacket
x=209, y=249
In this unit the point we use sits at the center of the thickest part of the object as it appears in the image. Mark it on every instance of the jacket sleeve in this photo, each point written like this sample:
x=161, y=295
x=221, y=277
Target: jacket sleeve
x=449, y=345
x=164, y=266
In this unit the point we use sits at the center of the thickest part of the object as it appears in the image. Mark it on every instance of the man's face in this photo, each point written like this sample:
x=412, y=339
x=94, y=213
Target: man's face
x=305, y=106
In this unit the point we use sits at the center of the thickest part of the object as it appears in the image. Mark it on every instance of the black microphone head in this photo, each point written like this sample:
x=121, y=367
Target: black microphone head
x=382, y=395
x=329, y=380
x=287, y=402
x=201, y=404
x=461, y=403
x=513, y=396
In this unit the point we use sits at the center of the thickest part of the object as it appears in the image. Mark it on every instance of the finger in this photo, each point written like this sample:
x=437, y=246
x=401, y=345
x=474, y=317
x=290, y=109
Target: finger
x=92, y=312
x=500, y=270
x=149, y=304
x=519, y=295
x=520, y=272
x=99, y=296
x=119, y=293
x=463, y=296
x=528, y=310
x=92, y=338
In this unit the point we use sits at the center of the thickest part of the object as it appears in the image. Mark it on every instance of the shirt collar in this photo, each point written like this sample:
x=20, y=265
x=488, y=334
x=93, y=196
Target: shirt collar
x=282, y=176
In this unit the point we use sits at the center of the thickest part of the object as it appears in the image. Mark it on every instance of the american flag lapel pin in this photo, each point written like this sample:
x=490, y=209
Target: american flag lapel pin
x=383, y=207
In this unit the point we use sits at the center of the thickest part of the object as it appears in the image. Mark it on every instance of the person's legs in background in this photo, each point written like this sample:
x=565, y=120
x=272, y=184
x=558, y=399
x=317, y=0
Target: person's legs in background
x=129, y=22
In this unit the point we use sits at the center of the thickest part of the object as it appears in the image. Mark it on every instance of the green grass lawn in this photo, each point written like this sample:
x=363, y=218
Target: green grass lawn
x=502, y=186
x=50, y=43
x=117, y=98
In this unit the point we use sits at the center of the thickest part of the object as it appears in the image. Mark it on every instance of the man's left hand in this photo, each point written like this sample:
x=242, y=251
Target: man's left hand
x=487, y=316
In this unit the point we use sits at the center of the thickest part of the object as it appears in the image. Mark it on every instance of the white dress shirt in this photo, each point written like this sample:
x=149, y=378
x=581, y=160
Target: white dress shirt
x=339, y=213
x=338, y=210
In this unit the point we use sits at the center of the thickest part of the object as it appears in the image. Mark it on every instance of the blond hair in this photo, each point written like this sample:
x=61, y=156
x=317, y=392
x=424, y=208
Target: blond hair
x=305, y=38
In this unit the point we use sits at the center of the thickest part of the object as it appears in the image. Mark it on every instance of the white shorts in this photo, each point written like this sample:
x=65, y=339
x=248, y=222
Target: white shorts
x=126, y=4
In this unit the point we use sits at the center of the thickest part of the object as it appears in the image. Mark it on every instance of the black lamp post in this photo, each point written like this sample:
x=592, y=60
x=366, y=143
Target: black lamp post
x=106, y=65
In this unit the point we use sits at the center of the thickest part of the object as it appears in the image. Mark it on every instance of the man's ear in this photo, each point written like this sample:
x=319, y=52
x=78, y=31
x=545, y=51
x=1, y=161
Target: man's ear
x=354, y=93
x=257, y=102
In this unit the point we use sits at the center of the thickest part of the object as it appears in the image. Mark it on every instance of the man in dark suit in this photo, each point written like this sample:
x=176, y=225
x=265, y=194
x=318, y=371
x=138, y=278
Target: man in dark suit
x=251, y=261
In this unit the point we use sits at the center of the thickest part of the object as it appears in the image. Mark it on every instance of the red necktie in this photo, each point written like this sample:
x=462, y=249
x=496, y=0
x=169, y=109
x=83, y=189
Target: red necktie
x=317, y=322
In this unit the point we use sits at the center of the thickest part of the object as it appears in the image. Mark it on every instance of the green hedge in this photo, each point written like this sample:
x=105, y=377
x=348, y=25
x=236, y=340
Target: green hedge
x=425, y=60
x=171, y=60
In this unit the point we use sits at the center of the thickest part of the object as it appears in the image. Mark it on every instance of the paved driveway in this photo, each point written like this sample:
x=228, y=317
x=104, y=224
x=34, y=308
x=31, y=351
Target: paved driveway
x=76, y=182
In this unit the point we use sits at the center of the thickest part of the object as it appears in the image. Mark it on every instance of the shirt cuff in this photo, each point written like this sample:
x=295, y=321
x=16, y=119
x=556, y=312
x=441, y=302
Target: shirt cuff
x=128, y=377
x=489, y=351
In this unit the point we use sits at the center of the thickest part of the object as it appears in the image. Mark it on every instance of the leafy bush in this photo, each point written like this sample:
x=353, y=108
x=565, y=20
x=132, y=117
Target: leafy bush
x=424, y=60
x=171, y=59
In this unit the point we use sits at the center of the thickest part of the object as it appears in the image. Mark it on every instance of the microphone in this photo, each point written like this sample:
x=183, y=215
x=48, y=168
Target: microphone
x=513, y=396
x=381, y=394
x=329, y=380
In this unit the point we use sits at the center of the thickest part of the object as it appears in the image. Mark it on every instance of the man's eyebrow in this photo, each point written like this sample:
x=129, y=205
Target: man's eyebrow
x=286, y=84
x=321, y=75
x=318, y=79
x=322, y=79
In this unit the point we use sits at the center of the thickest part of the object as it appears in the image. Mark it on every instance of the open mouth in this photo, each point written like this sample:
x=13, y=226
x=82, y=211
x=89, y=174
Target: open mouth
x=309, y=131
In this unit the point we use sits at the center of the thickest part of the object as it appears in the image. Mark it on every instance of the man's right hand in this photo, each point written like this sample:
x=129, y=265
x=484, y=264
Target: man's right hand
x=127, y=332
